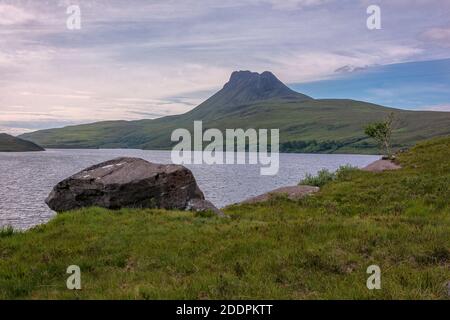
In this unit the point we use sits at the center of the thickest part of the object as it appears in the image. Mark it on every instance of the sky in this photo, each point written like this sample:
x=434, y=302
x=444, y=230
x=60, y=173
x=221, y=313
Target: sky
x=146, y=59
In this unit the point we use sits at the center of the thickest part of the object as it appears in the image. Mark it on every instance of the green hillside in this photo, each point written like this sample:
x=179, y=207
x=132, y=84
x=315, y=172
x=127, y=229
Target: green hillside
x=316, y=248
x=12, y=144
x=251, y=100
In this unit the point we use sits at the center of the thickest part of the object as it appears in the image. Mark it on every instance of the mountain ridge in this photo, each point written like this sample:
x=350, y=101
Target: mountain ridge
x=10, y=143
x=246, y=87
x=253, y=100
x=263, y=86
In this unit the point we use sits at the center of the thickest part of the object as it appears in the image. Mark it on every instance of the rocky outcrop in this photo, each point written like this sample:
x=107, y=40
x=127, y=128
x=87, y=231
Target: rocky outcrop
x=293, y=193
x=131, y=183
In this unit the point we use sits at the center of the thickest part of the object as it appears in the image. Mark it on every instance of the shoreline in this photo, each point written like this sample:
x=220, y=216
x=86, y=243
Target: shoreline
x=169, y=150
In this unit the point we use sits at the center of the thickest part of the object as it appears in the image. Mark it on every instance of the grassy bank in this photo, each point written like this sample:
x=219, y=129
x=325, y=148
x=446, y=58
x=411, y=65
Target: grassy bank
x=9, y=143
x=319, y=247
x=305, y=126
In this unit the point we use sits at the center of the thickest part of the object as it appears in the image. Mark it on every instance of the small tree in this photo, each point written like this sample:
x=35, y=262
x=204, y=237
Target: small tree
x=382, y=132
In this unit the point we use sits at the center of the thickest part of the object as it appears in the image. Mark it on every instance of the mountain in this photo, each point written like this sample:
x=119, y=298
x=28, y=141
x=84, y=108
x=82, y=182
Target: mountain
x=12, y=144
x=246, y=87
x=253, y=100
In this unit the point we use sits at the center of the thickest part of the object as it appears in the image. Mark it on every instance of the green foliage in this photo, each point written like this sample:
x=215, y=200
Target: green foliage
x=12, y=144
x=382, y=132
x=312, y=146
x=6, y=231
x=316, y=248
x=324, y=176
x=345, y=172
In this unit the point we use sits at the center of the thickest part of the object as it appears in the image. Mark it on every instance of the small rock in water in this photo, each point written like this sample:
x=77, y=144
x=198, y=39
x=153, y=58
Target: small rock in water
x=131, y=183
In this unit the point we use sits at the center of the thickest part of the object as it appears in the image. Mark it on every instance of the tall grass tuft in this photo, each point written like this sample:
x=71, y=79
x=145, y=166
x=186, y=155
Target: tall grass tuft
x=6, y=231
x=324, y=176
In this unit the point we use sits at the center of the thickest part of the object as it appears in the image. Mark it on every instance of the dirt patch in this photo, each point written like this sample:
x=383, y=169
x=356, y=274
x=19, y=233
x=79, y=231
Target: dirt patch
x=382, y=165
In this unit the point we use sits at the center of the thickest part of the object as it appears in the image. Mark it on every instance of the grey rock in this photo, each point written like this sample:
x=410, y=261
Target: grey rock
x=126, y=182
x=200, y=205
x=293, y=193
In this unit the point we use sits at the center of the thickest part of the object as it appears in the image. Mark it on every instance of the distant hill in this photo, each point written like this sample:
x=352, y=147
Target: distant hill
x=12, y=144
x=253, y=100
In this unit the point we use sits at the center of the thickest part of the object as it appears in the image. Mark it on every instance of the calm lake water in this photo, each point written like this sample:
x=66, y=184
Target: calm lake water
x=27, y=178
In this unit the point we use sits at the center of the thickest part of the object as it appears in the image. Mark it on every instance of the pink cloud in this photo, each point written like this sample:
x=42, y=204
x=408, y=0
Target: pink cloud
x=440, y=36
x=444, y=107
x=12, y=15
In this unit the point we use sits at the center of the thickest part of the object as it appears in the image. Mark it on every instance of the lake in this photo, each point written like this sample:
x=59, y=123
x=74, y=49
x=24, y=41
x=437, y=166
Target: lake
x=27, y=178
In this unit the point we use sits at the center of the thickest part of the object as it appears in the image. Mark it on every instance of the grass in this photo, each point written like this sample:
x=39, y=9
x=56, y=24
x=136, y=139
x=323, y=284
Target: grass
x=6, y=231
x=315, y=248
x=12, y=144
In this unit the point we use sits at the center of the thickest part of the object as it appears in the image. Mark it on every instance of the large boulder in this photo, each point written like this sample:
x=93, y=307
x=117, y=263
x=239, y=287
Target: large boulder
x=128, y=182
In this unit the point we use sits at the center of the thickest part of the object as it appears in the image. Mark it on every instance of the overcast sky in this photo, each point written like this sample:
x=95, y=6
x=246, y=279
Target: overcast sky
x=146, y=59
